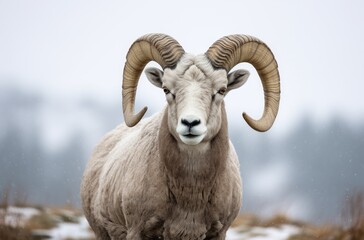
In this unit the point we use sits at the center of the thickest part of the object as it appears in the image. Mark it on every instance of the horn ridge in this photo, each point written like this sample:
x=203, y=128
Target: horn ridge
x=231, y=50
x=161, y=48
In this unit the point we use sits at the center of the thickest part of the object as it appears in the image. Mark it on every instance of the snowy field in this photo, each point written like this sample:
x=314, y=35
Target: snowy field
x=72, y=225
x=67, y=224
x=260, y=233
x=78, y=230
x=24, y=223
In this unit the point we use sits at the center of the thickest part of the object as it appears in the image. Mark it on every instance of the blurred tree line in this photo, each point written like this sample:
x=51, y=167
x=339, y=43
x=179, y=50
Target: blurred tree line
x=326, y=161
x=34, y=174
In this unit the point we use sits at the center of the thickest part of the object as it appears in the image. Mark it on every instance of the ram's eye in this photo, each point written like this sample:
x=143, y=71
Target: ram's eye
x=222, y=91
x=166, y=91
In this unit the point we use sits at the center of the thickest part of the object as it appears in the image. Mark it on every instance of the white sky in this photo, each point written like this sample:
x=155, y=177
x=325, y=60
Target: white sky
x=75, y=48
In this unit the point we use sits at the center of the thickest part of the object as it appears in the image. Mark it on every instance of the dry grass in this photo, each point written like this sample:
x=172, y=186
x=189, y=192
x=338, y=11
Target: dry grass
x=252, y=220
x=10, y=232
x=14, y=233
x=352, y=227
x=66, y=214
x=353, y=216
x=4, y=200
x=308, y=231
x=21, y=221
x=41, y=221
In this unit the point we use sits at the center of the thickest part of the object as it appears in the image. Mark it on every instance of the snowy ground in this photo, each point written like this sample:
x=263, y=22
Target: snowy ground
x=15, y=216
x=259, y=233
x=75, y=228
x=79, y=228
x=64, y=230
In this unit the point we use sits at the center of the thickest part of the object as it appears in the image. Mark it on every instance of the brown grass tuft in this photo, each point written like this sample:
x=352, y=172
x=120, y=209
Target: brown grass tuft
x=41, y=221
x=353, y=217
x=280, y=219
x=246, y=220
x=14, y=233
x=10, y=232
x=352, y=227
x=4, y=200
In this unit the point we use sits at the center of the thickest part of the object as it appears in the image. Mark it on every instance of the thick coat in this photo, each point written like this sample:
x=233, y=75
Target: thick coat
x=138, y=185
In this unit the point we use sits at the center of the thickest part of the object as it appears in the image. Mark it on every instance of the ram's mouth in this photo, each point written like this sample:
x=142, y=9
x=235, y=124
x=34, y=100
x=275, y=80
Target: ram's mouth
x=191, y=139
x=190, y=135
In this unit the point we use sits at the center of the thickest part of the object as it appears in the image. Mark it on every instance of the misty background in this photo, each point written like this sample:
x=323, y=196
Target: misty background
x=60, y=91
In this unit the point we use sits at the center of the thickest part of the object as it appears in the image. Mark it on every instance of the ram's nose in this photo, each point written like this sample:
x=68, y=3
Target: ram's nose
x=190, y=121
x=191, y=129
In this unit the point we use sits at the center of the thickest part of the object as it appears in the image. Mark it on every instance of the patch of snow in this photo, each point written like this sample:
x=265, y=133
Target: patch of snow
x=78, y=230
x=17, y=216
x=283, y=232
x=233, y=234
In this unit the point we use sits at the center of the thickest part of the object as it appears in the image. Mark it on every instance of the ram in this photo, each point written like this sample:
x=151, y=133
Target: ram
x=175, y=175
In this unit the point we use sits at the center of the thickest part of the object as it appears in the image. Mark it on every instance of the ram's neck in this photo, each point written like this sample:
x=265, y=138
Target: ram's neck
x=191, y=171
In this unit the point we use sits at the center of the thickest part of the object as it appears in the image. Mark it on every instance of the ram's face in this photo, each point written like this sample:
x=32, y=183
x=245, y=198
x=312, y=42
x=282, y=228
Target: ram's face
x=195, y=92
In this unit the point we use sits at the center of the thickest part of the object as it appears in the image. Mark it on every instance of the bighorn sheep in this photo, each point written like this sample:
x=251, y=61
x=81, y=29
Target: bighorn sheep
x=175, y=175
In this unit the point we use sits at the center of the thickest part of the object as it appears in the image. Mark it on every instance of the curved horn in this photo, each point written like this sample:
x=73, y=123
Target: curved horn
x=161, y=48
x=231, y=50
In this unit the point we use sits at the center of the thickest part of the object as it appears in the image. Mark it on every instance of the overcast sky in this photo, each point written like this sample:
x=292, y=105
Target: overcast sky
x=68, y=49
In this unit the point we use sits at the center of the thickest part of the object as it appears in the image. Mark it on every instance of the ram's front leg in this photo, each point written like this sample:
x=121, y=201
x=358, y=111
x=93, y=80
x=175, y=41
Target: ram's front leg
x=125, y=235
x=133, y=235
x=122, y=237
x=220, y=235
x=135, y=232
x=116, y=231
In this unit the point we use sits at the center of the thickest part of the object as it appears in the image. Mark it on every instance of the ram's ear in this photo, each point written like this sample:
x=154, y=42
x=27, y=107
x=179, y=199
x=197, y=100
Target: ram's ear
x=237, y=79
x=154, y=76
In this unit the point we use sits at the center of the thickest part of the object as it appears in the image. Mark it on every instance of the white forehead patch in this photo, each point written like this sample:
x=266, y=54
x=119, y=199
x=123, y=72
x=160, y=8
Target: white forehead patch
x=200, y=61
x=196, y=67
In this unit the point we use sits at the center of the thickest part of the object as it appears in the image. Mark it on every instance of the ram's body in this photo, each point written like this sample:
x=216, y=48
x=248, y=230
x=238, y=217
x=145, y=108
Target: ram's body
x=129, y=182
x=175, y=176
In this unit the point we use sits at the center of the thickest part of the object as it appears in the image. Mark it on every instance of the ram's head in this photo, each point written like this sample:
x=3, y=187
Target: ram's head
x=195, y=85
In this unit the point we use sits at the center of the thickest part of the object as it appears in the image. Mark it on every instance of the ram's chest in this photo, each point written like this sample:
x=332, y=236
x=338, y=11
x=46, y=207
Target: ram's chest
x=155, y=212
